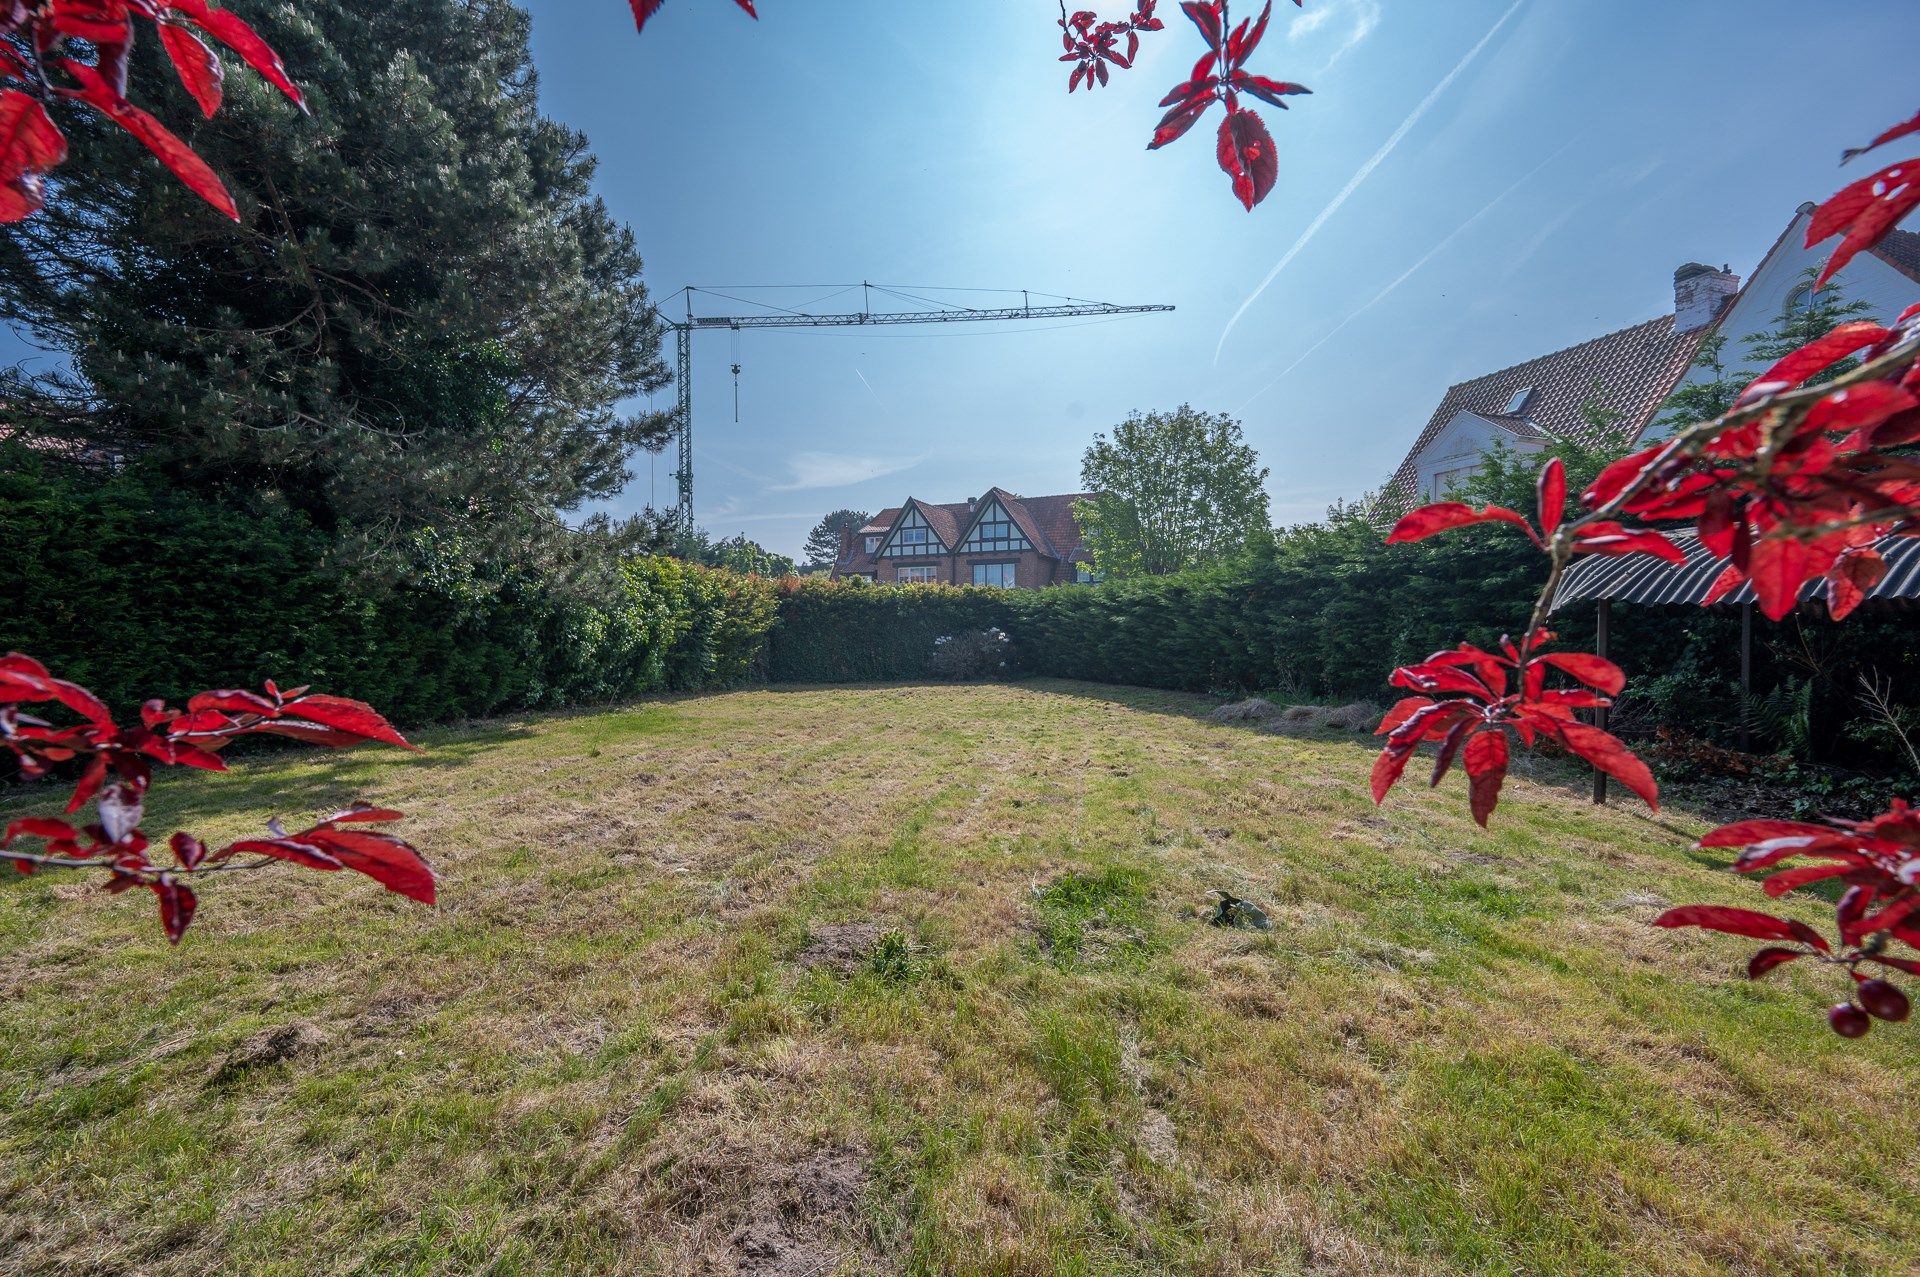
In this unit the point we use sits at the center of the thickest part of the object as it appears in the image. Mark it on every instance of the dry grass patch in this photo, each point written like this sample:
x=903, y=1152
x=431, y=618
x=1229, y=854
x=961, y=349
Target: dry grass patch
x=919, y=980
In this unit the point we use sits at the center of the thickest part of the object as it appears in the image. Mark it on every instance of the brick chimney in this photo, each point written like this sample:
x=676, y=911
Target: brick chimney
x=846, y=542
x=1699, y=294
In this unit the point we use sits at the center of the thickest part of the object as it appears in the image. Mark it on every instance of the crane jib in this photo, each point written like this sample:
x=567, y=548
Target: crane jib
x=685, y=328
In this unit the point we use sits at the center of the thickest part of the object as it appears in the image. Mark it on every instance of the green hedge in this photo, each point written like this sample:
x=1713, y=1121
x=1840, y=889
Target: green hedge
x=134, y=589
x=852, y=631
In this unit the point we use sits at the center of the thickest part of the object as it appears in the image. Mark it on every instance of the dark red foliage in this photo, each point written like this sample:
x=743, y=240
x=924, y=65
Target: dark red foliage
x=1472, y=698
x=1244, y=146
x=119, y=767
x=1092, y=45
x=36, y=53
x=1866, y=210
x=1877, y=859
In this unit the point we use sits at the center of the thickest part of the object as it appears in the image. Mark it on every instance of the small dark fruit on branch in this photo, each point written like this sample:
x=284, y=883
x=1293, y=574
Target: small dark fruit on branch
x=1882, y=1000
x=1848, y=1020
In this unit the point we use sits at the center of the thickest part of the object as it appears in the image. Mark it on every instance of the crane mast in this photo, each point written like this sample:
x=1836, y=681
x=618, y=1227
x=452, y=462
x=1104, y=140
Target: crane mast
x=689, y=324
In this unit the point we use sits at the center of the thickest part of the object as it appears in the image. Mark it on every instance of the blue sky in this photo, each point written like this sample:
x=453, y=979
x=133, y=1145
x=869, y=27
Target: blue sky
x=1545, y=195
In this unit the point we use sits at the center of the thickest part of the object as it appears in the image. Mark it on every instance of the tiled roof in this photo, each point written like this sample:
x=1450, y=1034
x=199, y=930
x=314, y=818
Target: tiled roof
x=1048, y=522
x=1523, y=427
x=1901, y=250
x=1635, y=367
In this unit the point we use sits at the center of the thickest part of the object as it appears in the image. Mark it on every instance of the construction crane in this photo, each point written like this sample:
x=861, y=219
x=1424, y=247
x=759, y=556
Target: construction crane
x=689, y=324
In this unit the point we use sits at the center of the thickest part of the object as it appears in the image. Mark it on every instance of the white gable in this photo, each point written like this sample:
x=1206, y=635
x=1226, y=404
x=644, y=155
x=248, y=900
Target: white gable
x=1455, y=453
x=1866, y=278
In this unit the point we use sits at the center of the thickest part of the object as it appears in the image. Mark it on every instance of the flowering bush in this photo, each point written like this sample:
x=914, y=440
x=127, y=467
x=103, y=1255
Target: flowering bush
x=972, y=654
x=1794, y=486
x=116, y=766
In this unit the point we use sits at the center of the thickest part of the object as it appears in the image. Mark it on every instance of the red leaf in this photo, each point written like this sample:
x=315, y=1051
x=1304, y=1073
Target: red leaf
x=296, y=850
x=177, y=903
x=1867, y=404
x=40, y=827
x=1866, y=211
x=644, y=9
x=1851, y=579
x=1206, y=15
x=1787, y=879
x=229, y=29
x=1595, y=671
x=199, y=70
x=1552, y=491
x=89, y=783
x=1417, y=525
x=30, y=145
x=1606, y=752
x=1486, y=764
x=1897, y=131
x=1613, y=539
x=1387, y=769
x=1272, y=92
x=1769, y=958
x=187, y=849
x=1815, y=357
x=1401, y=712
x=229, y=701
x=1778, y=567
x=175, y=154
x=1175, y=123
x=1745, y=833
x=1246, y=154
x=387, y=860
x=355, y=718
x=361, y=812
x=1740, y=922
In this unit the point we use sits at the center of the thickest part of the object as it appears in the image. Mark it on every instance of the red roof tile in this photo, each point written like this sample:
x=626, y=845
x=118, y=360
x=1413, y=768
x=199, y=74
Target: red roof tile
x=1901, y=250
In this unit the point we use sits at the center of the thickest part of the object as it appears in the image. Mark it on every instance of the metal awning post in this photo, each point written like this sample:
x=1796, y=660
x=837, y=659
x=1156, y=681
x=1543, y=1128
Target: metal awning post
x=1746, y=676
x=1602, y=622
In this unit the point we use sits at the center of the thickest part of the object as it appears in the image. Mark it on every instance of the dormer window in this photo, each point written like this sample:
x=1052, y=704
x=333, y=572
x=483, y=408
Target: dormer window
x=912, y=536
x=995, y=533
x=1517, y=406
x=873, y=543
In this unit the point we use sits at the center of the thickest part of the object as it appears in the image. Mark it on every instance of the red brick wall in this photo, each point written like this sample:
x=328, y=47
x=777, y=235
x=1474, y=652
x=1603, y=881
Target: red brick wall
x=1032, y=570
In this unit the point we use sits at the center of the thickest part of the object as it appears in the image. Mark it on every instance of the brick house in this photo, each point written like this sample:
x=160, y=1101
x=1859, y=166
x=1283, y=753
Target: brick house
x=999, y=539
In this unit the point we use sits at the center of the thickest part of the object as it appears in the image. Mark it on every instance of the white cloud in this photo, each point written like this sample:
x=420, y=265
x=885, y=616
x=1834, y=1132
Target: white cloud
x=1350, y=21
x=838, y=470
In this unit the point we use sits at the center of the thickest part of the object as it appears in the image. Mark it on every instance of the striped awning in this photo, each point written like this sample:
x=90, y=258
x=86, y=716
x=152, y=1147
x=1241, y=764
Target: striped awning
x=1641, y=578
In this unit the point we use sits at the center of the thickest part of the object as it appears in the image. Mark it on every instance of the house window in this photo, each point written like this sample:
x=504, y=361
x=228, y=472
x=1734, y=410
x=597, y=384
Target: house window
x=1083, y=574
x=995, y=533
x=912, y=537
x=873, y=543
x=919, y=573
x=1000, y=574
x=1518, y=403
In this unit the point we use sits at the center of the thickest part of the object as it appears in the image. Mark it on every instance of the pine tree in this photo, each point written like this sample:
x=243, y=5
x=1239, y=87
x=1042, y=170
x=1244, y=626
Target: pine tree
x=425, y=318
x=823, y=543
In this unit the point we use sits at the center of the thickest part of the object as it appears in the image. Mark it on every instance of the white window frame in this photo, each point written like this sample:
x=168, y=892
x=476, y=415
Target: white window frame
x=873, y=543
x=1010, y=574
x=916, y=573
x=995, y=532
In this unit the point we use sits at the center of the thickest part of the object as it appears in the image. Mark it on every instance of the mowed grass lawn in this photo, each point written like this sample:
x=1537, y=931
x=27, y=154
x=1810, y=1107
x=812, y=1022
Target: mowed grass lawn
x=917, y=979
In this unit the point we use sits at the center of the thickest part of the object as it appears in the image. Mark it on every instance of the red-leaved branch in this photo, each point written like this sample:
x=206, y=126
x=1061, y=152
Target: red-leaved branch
x=115, y=766
x=43, y=50
x=1243, y=146
x=1795, y=487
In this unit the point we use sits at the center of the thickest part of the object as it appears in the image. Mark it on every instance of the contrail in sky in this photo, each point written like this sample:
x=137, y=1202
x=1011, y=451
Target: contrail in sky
x=1364, y=171
x=869, y=385
x=1404, y=275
